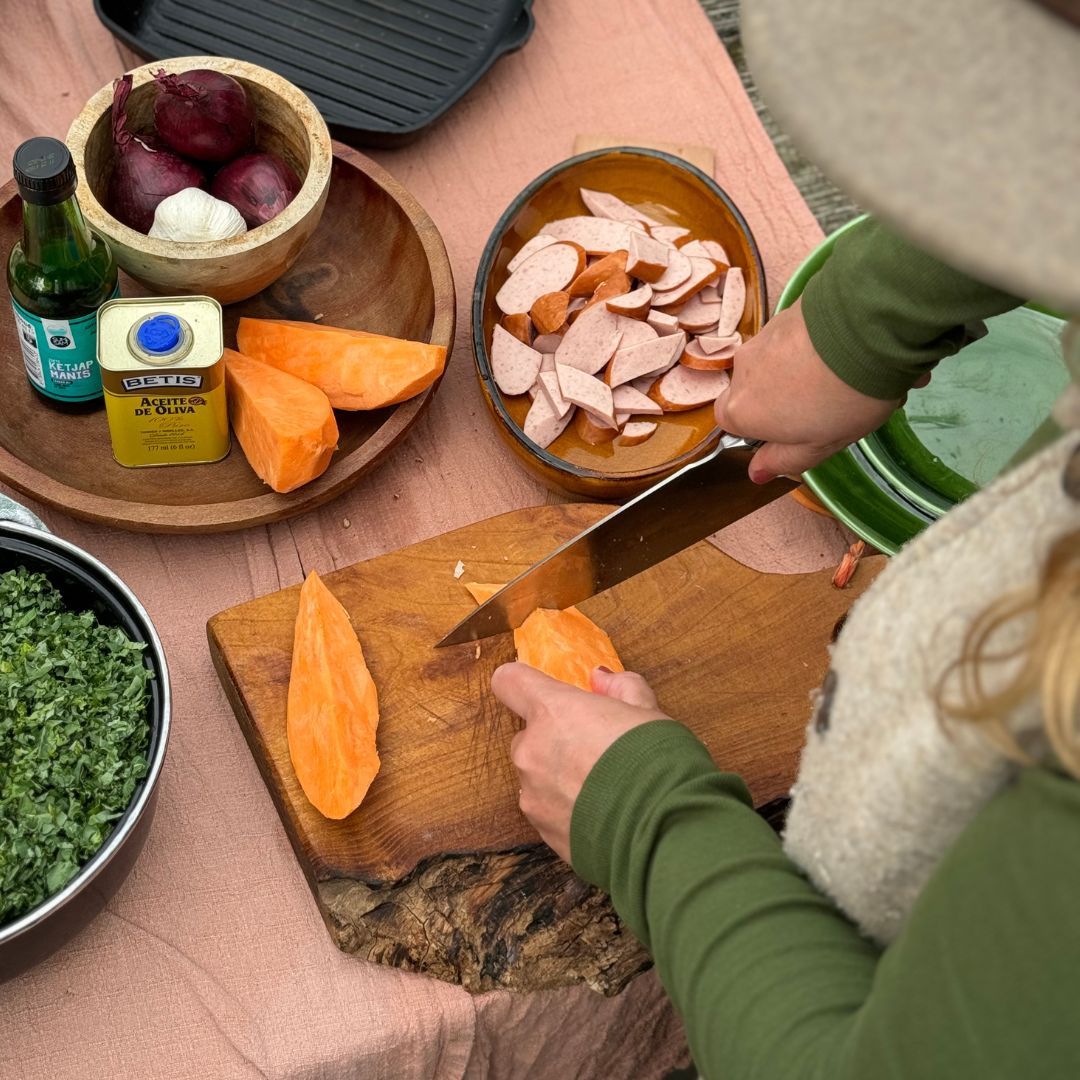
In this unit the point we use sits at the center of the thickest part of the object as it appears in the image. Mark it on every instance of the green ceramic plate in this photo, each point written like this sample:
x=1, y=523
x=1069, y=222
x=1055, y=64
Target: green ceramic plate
x=954, y=436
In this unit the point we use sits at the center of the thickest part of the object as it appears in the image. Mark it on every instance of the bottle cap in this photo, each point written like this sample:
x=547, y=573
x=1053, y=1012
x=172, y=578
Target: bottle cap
x=159, y=333
x=44, y=171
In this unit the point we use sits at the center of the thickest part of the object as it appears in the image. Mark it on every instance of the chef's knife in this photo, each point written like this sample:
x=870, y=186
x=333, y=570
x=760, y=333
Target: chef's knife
x=689, y=505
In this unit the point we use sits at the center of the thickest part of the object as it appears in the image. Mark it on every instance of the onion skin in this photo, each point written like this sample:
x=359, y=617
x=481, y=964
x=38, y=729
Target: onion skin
x=142, y=176
x=204, y=114
x=260, y=186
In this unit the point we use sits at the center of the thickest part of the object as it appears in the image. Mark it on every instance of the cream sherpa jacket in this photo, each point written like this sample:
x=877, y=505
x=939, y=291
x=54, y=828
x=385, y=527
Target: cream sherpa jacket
x=884, y=787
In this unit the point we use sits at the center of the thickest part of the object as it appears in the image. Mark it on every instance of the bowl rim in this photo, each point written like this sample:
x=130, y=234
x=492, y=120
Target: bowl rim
x=483, y=276
x=147, y=787
x=307, y=198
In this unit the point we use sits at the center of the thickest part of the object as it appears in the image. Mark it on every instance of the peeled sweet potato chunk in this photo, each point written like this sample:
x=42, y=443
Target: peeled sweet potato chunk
x=565, y=645
x=355, y=369
x=333, y=708
x=284, y=425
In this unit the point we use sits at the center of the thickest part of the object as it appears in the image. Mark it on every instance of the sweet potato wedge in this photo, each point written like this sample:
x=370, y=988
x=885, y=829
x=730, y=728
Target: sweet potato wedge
x=356, y=370
x=285, y=426
x=333, y=707
x=565, y=645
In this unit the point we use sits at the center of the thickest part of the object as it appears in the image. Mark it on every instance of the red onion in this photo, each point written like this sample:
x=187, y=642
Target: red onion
x=204, y=114
x=142, y=175
x=260, y=186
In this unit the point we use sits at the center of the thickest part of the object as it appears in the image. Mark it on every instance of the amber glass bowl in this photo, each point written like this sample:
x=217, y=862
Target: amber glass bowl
x=671, y=190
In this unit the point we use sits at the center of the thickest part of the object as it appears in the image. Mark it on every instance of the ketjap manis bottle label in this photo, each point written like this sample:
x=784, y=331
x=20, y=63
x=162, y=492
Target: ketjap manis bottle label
x=60, y=354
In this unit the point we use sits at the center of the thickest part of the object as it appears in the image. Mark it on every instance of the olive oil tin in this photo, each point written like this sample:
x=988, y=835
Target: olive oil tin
x=163, y=373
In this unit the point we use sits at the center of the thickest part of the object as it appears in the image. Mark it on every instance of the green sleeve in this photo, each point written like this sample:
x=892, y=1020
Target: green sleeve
x=773, y=982
x=880, y=312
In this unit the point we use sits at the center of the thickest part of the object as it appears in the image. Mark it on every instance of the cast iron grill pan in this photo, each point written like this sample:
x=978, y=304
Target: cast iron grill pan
x=378, y=70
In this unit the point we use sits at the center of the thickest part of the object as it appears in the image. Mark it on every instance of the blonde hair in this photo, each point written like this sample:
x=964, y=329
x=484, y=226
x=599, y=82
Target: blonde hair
x=1049, y=660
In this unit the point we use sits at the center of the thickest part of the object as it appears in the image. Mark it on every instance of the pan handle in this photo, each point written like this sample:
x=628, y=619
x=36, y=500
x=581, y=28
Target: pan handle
x=10, y=510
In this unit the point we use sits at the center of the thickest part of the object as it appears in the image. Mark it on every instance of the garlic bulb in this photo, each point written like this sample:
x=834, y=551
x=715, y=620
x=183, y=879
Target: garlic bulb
x=192, y=216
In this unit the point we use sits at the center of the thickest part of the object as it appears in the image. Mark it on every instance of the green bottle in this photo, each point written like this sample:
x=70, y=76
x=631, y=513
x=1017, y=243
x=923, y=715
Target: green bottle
x=59, y=274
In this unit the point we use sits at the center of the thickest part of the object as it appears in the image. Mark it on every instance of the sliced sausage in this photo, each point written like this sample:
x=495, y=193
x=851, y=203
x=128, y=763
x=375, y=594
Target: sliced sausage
x=520, y=326
x=548, y=382
x=591, y=340
x=597, y=236
x=668, y=234
x=695, y=356
x=605, y=205
x=596, y=273
x=589, y=430
x=514, y=365
x=678, y=271
x=588, y=392
x=552, y=268
x=697, y=315
x=636, y=433
x=732, y=303
x=662, y=322
x=549, y=311
x=684, y=388
x=642, y=385
x=546, y=343
x=648, y=358
x=530, y=247
x=634, y=305
x=541, y=423
x=710, y=294
x=714, y=343
x=702, y=272
x=619, y=284
x=628, y=399
x=547, y=362
x=716, y=251
x=634, y=331
x=647, y=258
x=705, y=249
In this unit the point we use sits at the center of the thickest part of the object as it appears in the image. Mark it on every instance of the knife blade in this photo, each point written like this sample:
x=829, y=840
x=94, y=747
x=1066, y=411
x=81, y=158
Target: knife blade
x=687, y=506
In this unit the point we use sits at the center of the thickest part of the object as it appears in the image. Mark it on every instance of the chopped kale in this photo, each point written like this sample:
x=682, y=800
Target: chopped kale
x=74, y=737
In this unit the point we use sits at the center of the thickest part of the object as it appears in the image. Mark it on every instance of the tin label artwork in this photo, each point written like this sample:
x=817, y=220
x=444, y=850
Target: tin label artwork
x=164, y=381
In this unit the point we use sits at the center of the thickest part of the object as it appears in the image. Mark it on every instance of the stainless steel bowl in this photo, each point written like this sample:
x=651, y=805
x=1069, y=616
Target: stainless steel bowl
x=86, y=584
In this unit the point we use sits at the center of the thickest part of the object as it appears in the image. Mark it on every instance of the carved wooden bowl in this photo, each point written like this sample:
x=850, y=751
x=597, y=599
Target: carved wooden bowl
x=287, y=124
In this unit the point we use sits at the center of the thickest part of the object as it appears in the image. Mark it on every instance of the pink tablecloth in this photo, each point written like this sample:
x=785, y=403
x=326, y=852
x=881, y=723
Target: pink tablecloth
x=212, y=961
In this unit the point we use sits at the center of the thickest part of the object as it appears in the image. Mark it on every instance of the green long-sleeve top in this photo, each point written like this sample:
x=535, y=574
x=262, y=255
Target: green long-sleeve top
x=773, y=982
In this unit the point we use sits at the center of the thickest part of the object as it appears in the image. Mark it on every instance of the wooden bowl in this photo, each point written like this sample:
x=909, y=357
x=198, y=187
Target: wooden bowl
x=673, y=191
x=376, y=262
x=287, y=124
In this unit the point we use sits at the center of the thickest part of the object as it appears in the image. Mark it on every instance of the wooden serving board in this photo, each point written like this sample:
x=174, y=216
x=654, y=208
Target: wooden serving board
x=375, y=262
x=438, y=871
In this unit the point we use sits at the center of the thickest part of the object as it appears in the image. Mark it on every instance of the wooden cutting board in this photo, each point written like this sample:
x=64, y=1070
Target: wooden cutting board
x=438, y=871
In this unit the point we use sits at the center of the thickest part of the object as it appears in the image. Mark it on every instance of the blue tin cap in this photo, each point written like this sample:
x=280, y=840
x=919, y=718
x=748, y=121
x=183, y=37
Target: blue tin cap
x=159, y=334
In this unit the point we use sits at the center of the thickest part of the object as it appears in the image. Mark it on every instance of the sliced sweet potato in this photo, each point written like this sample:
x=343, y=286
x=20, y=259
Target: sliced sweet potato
x=333, y=708
x=481, y=591
x=565, y=645
x=284, y=425
x=355, y=369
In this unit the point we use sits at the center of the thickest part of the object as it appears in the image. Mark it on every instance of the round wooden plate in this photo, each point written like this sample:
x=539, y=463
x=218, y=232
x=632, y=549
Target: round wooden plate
x=376, y=262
